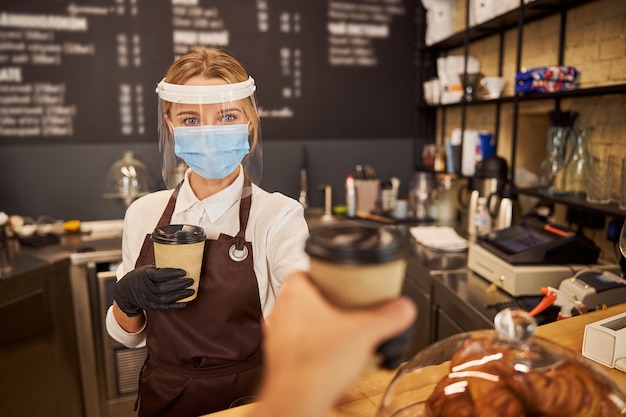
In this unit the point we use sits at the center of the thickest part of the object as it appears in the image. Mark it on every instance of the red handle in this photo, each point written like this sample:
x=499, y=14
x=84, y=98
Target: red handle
x=548, y=299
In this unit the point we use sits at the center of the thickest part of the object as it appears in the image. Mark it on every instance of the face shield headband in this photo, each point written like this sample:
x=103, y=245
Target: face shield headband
x=240, y=95
x=206, y=94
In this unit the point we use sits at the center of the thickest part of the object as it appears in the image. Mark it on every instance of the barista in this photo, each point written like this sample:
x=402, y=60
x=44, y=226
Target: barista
x=206, y=353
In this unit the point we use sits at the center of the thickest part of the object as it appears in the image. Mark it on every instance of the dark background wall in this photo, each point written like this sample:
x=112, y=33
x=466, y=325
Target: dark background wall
x=67, y=182
x=345, y=114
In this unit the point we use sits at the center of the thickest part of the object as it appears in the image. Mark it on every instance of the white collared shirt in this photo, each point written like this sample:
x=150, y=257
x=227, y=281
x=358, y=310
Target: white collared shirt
x=276, y=228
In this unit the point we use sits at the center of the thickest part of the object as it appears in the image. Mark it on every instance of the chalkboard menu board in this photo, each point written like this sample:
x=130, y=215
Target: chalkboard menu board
x=83, y=71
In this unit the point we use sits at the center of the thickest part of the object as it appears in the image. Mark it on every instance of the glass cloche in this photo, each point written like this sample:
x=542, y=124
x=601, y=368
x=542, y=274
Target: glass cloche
x=127, y=179
x=503, y=372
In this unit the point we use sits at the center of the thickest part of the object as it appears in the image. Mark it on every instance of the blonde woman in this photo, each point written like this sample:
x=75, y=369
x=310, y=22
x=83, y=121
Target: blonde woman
x=206, y=353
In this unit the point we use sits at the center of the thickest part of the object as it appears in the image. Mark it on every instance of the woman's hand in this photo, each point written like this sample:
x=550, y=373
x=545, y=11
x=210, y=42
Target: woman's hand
x=314, y=351
x=152, y=288
x=148, y=288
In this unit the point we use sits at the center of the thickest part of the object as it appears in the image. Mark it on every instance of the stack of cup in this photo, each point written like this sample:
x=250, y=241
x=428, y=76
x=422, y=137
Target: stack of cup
x=599, y=180
x=606, y=180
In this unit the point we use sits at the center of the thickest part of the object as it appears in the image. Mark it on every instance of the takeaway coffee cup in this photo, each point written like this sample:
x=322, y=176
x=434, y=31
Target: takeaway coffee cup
x=180, y=246
x=357, y=266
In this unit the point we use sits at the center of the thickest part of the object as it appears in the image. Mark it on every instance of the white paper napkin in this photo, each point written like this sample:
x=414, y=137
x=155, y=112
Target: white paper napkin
x=443, y=238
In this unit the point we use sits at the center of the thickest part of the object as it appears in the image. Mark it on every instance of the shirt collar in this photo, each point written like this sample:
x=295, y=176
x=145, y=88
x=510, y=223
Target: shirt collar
x=214, y=206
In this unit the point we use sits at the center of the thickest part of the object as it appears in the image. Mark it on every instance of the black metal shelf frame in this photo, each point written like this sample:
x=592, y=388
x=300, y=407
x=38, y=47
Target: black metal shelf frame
x=535, y=10
x=577, y=202
x=518, y=18
x=581, y=92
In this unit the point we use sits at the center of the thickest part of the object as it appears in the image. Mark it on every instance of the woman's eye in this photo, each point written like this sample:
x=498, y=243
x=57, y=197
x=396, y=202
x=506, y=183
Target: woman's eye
x=228, y=118
x=190, y=121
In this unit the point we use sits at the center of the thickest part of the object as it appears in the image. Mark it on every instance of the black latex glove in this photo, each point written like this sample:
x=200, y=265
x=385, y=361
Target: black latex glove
x=151, y=288
x=393, y=351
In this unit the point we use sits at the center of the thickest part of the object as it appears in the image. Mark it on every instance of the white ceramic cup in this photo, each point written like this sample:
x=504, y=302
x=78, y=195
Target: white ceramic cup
x=494, y=85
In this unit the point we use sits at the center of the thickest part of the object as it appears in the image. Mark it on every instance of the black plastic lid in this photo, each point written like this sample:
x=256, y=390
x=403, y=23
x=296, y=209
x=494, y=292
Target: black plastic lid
x=356, y=244
x=492, y=167
x=177, y=234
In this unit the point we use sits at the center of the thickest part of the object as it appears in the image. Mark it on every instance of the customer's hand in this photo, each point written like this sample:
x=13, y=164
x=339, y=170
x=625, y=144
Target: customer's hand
x=314, y=351
x=151, y=288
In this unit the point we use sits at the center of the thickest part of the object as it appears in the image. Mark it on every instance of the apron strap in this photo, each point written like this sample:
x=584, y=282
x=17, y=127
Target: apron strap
x=244, y=213
x=169, y=209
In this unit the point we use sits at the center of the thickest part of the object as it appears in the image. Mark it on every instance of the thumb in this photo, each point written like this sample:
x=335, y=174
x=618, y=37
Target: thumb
x=390, y=318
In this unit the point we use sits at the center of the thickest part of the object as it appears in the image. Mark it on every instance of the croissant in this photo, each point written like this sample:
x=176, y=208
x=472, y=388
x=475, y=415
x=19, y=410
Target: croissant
x=570, y=389
x=474, y=387
x=440, y=404
x=483, y=382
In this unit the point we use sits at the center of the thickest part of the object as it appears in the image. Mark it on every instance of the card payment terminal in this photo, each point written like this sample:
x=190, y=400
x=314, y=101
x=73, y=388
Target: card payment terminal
x=535, y=242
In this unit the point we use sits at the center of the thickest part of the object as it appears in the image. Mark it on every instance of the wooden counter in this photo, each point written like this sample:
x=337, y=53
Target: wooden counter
x=569, y=333
x=363, y=398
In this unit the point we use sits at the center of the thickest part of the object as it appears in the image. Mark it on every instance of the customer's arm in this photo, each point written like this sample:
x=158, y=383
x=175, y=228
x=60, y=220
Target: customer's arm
x=314, y=351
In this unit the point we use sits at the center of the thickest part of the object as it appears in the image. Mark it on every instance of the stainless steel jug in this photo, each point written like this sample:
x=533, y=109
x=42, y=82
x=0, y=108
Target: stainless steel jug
x=488, y=182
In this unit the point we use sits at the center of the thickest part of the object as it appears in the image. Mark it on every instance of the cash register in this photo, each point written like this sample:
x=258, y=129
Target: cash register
x=525, y=257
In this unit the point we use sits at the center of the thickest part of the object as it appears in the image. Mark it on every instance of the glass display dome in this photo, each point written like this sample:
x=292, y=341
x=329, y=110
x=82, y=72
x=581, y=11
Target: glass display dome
x=127, y=179
x=503, y=372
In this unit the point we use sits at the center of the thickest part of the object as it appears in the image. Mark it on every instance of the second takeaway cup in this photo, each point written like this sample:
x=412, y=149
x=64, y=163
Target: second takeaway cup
x=357, y=266
x=180, y=246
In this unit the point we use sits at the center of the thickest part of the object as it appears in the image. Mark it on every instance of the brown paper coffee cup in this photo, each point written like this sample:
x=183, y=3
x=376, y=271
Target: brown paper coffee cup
x=356, y=286
x=180, y=246
x=357, y=266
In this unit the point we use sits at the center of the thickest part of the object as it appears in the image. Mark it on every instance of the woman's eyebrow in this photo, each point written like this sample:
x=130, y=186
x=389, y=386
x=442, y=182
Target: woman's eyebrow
x=187, y=113
x=230, y=109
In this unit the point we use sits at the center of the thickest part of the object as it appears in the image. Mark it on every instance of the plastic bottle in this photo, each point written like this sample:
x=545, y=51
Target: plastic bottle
x=445, y=198
x=482, y=218
x=386, y=197
x=350, y=196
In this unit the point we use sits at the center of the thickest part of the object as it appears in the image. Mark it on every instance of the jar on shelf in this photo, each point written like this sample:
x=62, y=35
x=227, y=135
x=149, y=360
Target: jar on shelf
x=553, y=166
x=575, y=172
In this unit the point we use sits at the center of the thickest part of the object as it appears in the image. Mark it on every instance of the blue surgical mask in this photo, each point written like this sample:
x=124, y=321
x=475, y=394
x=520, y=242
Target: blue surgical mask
x=212, y=152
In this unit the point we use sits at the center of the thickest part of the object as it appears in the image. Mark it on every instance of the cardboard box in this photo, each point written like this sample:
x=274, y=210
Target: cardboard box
x=482, y=10
x=439, y=19
x=604, y=341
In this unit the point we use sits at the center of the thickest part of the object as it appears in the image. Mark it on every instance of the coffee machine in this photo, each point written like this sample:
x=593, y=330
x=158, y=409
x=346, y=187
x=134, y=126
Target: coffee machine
x=490, y=182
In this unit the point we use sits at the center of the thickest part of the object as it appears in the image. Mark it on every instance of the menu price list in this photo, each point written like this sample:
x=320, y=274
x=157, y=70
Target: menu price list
x=68, y=71
x=72, y=72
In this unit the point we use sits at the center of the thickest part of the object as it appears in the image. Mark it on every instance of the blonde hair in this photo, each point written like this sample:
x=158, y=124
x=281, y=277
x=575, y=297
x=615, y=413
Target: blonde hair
x=212, y=63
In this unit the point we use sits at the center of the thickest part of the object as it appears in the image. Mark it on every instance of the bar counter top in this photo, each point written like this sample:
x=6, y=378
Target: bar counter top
x=363, y=398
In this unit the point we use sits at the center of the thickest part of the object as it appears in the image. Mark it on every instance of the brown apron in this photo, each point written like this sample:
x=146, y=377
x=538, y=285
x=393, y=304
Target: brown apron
x=205, y=356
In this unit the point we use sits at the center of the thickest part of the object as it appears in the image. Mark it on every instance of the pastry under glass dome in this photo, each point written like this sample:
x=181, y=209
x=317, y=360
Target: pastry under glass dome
x=127, y=179
x=503, y=372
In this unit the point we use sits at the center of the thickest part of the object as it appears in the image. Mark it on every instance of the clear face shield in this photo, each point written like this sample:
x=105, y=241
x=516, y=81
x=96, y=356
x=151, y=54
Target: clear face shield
x=209, y=126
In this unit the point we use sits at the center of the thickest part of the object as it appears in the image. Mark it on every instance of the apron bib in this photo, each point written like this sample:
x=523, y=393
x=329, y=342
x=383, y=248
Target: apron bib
x=205, y=356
